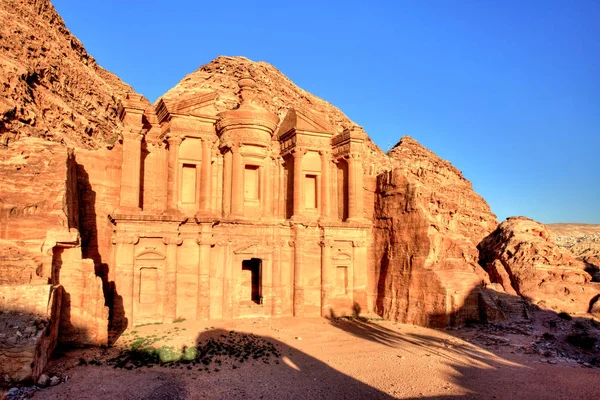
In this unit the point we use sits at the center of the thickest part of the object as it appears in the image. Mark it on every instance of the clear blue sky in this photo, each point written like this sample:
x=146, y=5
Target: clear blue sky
x=508, y=92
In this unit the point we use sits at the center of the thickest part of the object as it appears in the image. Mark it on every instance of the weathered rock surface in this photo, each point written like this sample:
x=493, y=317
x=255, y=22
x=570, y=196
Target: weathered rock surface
x=52, y=88
x=583, y=241
x=521, y=255
x=29, y=325
x=39, y=238
x=427, y=223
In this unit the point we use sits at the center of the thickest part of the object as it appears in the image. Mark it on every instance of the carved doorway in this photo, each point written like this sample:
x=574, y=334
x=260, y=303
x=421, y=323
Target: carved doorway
x=251, y=281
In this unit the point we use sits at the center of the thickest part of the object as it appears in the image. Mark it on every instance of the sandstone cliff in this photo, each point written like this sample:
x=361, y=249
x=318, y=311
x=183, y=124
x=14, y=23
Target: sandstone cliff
x=521, y=256
x=428, y=221
x=52, y=88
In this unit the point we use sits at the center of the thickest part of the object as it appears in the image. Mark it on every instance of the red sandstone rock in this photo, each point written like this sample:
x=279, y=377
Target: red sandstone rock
x=52, y=88
x=520, y=253
x=583, y=241
x=29, y=326
x=428, y=221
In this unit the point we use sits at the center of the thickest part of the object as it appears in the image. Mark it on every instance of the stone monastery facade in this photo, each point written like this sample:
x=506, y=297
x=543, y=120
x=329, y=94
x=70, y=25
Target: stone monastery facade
x=234, y=214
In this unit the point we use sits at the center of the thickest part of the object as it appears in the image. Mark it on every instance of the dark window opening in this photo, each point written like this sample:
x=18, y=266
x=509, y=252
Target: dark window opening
x=251, y=281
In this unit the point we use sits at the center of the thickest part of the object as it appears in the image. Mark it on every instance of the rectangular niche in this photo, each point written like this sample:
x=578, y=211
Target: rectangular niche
x=148, y=285
x=341, y=280
x=251, y=182
x=188, y=183
x=310, y=192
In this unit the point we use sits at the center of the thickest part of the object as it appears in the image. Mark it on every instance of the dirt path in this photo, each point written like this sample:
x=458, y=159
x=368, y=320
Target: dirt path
x=341, y=359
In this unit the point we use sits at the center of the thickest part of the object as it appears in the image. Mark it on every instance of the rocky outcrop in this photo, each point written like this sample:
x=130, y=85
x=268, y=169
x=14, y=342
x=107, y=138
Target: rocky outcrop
x=39, y=237
x=427, y=223
x=52, y=88
x=28, y=329
x=583, y=241
x=521, y=256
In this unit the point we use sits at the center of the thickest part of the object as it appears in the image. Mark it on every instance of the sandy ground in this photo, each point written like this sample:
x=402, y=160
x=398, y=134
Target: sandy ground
x=334, y=359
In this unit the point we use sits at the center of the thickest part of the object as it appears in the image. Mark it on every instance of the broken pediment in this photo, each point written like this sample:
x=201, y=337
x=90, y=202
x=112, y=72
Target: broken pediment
x=198, y=104
x=301, y=119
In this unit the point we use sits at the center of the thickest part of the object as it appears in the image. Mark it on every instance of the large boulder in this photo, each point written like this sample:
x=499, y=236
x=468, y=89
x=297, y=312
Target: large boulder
x=520, y=255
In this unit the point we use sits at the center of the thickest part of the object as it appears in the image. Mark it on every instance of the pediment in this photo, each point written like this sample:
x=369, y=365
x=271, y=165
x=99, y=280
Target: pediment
x=197, y=104
x=303, y=119
x=150, y=255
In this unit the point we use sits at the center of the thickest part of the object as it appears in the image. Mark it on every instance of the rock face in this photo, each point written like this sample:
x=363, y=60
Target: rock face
x=521, y=256
x=39, y=238
x=583, y=241
x=29, y=324
x=427, y=223
x=52, y=88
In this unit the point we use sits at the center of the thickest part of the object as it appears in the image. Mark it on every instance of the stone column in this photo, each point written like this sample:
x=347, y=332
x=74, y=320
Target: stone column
x=267, y=202
x=172, y=186
x=351, y=188
x=129, y=200
x=170, y=303
x=325, y=200
x=277, y=278
x=298, y=279
x=124, y=269
x=203, y=308
x=359, y=191
x=237, y=183
x=281, y=205
x=359, y=272
x=298, y=154
x=326, y=286
x=227, y=183
x=205, y=176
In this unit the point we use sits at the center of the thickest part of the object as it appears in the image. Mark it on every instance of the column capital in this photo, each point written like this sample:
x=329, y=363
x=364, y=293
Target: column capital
x=170, y=240
x=174, y=139
x=326, y=242
x=125, y=238
x=203, y=241
x=359, y=243
x=324, y=152
x=298, y=152
x=135, y=134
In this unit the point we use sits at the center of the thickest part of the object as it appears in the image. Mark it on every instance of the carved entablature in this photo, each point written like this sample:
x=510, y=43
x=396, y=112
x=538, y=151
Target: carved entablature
x=305, y=128
x=350, y=141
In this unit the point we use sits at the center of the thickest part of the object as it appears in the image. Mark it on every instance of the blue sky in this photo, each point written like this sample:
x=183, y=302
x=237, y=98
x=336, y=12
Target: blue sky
x=508, y=91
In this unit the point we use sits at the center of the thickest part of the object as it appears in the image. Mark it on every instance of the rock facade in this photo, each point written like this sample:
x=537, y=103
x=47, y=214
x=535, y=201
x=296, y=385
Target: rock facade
x=427, y=223
x=521, y=256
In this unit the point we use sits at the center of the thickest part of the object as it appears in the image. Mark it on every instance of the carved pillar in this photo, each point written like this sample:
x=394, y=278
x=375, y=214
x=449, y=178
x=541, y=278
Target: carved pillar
x=298, y=279
x=170, y=291
x=205, y=176
x=130, y=172
x=358, y=189
x=227, y=183
x=351, y=188
x=277, y=278
x=172, y=186
x=124, y=268
x=267, y=203
x=203, y=308
x=237, y=183
x=359, y=272
x=326, y=287
x=281, y=184
x=325, y=200
x=298, y=183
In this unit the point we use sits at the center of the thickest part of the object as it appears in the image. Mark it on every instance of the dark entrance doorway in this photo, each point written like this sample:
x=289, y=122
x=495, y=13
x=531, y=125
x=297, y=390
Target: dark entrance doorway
x=252, y=281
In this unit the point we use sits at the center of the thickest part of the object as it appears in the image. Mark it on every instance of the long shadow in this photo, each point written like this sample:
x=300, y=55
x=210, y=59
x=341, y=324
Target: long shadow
x=88, y=230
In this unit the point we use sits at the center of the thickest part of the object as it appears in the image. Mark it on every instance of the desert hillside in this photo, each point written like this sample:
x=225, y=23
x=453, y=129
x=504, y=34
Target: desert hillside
x=51, y=87
x=583, y=240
